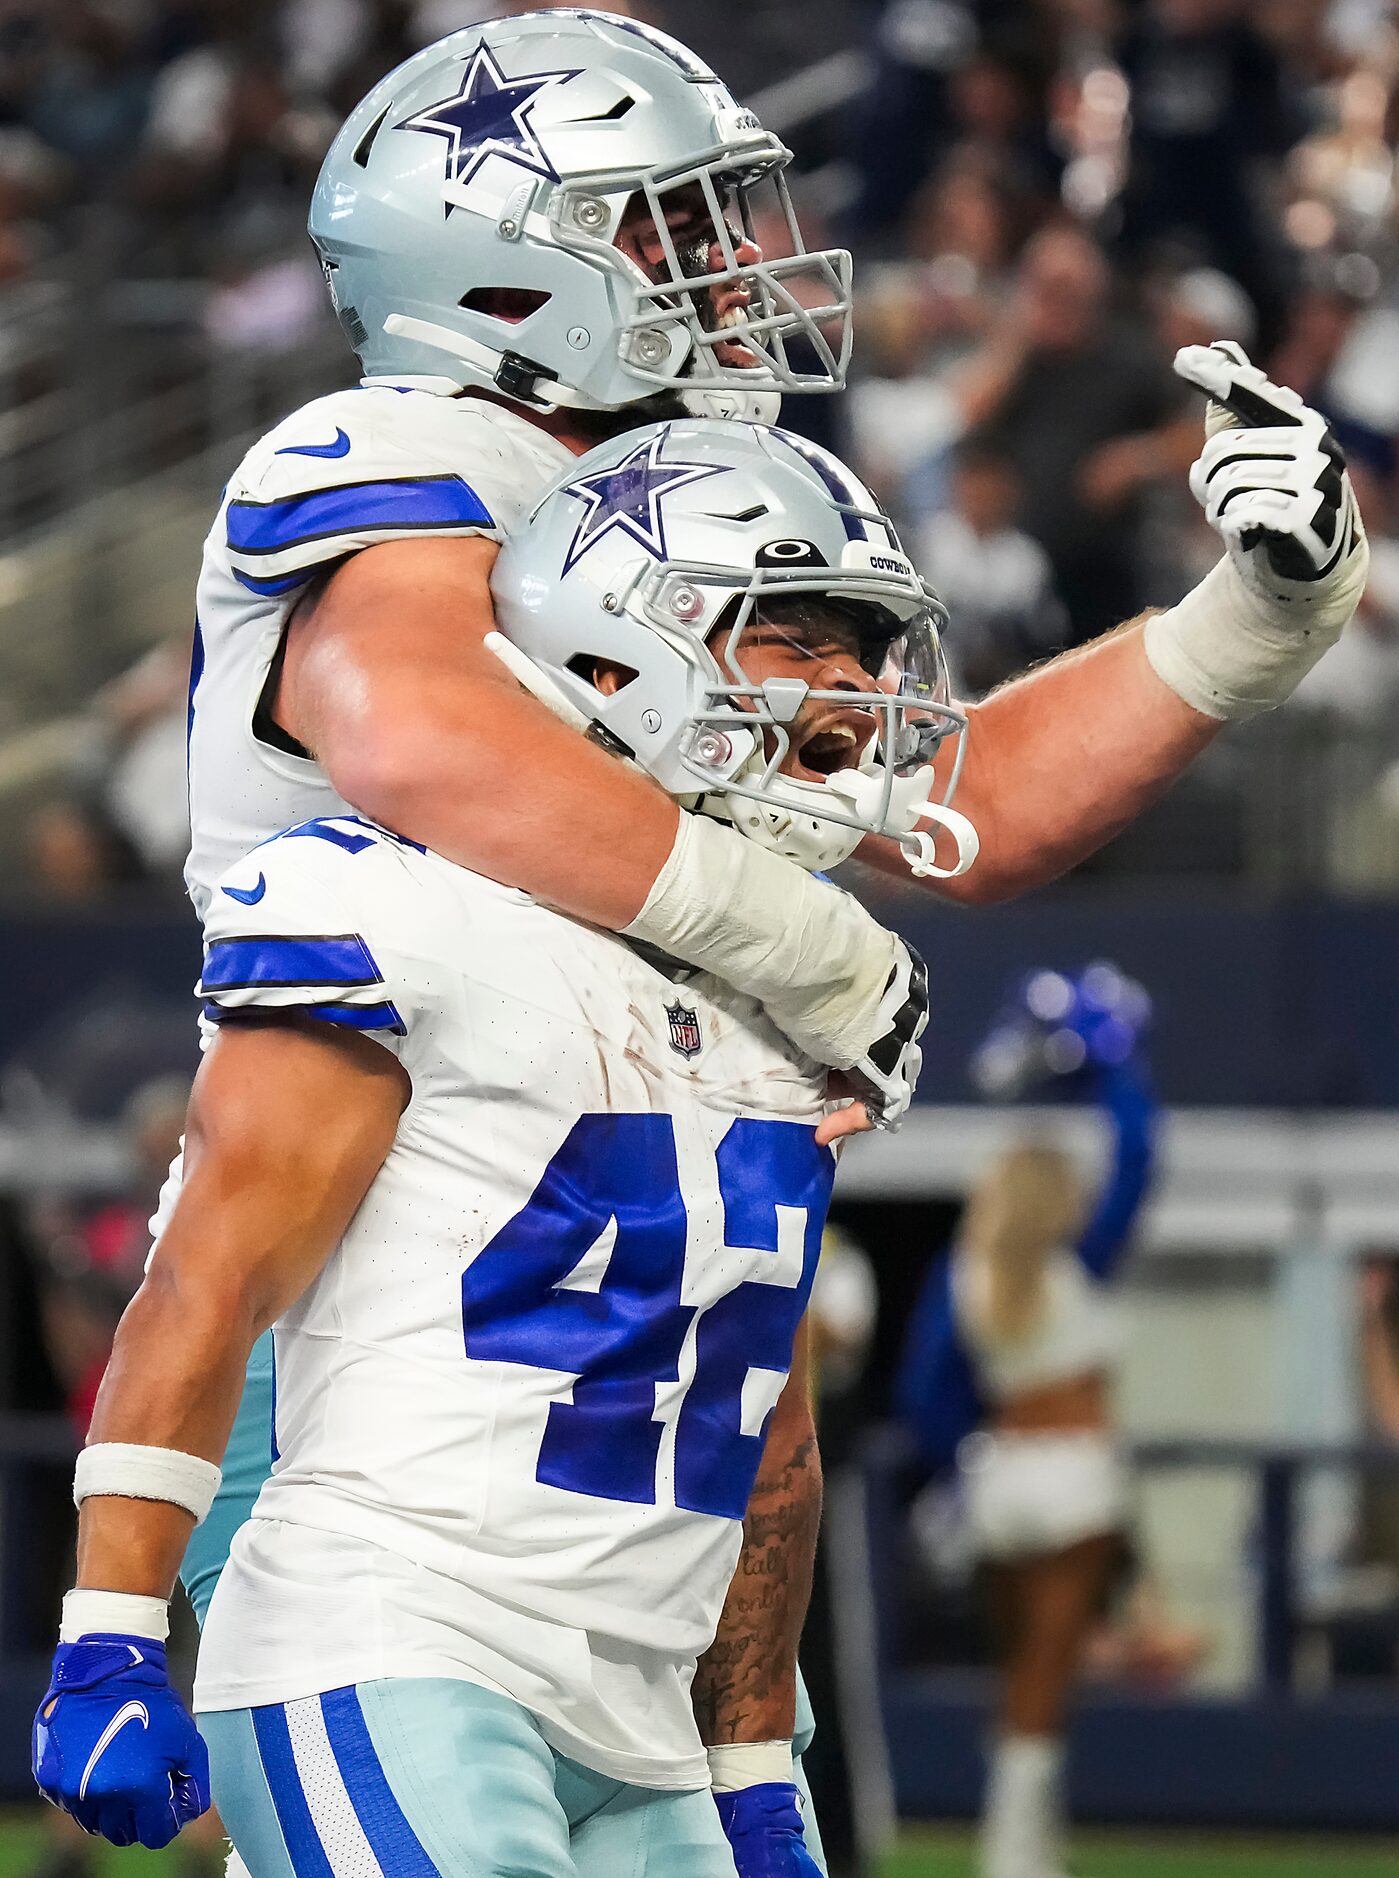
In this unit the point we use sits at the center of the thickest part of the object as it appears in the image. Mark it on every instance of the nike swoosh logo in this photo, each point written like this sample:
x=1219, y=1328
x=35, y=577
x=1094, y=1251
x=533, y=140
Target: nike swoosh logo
x=249, y=896
x=129, y=1711
x=340, y=447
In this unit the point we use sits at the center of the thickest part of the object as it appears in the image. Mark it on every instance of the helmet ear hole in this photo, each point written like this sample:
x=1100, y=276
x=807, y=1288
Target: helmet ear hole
x=605, y=675
x=511, y=304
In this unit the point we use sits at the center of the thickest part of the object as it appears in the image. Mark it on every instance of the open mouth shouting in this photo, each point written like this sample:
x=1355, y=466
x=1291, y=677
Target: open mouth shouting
x=834, y=744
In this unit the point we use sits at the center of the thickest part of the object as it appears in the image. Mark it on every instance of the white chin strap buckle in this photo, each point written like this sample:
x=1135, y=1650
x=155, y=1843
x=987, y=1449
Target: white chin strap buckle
x=908, y=805
x=917, y=847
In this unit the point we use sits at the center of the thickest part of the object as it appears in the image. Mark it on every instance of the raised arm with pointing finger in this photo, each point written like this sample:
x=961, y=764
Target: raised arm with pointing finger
x=1060, y=760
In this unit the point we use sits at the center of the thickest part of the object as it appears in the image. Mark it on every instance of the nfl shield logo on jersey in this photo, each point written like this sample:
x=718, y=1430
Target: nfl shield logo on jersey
x=684, y=1029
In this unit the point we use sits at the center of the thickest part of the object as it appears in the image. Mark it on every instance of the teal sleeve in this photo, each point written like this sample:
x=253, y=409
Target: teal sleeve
x=246, y=1464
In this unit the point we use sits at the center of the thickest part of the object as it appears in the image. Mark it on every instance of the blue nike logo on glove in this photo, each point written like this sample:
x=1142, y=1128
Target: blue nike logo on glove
x=248, y=895
x=340, y=447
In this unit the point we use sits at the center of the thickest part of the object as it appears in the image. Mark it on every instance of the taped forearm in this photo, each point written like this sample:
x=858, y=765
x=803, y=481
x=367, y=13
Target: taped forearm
x=1230, y=656
x=817, y=960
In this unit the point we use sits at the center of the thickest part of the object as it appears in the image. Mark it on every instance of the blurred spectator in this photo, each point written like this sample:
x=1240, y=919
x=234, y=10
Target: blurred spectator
x=947, y=75
x=1083, y=406
x=90, y=96
x=75, y=855
x=971, y=208
x=1379, y=1328
x=1342, y=177
x=996, y=583
x=145, y=721
x=125, y=815
x=1201, y=305
x=1210, y=102
x=1358, y=681
x=93, y=1259
x=1338, y=351
x=225, y=134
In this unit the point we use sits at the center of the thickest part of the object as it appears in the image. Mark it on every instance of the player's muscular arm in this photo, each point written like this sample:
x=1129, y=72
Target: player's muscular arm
x=1060, y=760
x=388, y=681
x=289, y=1122
x=745, y=1686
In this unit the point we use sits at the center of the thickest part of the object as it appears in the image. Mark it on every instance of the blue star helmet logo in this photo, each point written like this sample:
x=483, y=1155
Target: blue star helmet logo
x=629, y=496
x=490, y=116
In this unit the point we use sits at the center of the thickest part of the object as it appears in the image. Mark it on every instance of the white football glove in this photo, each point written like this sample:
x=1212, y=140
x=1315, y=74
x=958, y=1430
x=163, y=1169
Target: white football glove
x=1272, y=482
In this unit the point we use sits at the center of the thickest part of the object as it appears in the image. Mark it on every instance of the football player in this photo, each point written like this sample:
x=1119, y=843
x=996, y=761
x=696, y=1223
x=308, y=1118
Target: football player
x=535, y=233
x=535, y=1213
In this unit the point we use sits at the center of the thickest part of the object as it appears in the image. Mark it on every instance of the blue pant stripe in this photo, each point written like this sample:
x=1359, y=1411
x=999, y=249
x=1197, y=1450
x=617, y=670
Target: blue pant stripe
x=308, y=1855
x=394, y=1842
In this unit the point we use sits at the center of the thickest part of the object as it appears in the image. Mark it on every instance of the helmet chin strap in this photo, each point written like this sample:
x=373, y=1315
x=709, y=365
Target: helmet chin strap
x=485, y=359
x=535, y=680
x=795, y=827
x=548, y=394
x=748, y=407
x=863, y=791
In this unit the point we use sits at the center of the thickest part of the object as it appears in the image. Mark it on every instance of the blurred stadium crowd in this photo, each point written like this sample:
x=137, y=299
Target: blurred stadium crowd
x=1045, y=199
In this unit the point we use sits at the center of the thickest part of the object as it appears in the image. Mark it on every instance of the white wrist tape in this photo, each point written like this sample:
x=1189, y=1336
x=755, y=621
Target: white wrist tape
x=1230, y=655
x=113, y=1613
x=750, y=1764
x=137, y=1473
x=816, y=959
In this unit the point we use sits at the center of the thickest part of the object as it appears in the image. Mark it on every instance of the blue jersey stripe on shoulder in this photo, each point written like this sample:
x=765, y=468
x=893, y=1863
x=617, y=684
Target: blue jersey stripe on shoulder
x=353, y=508
x=270, y=589
x=273, y=961
x=323, y=830
x=391, y=1838
x=382, y=1016
x=358, y=1016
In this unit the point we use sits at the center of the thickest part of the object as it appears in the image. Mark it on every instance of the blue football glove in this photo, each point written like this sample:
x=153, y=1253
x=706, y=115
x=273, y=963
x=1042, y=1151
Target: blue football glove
x=115, y=1746
x=763, y=1825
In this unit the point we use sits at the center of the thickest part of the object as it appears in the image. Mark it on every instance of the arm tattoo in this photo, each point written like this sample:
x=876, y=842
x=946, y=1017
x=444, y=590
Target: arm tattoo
x=745, y=1685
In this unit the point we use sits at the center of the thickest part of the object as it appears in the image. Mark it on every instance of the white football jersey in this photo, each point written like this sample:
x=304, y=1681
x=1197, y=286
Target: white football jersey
x=375, y=463
x=520, y=1410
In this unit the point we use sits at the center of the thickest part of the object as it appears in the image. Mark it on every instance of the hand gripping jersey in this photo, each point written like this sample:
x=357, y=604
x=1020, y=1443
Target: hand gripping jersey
x=377, y=463
x=520, y=1411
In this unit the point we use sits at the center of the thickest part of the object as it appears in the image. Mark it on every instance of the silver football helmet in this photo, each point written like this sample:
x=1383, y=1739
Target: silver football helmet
x=467, y=216
x=635, y=597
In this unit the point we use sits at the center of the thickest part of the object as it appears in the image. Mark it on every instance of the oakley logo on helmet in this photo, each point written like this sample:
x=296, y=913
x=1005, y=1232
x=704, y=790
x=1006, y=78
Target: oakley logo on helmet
x=630, y=497
x=789, y=554
x=488, y=117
